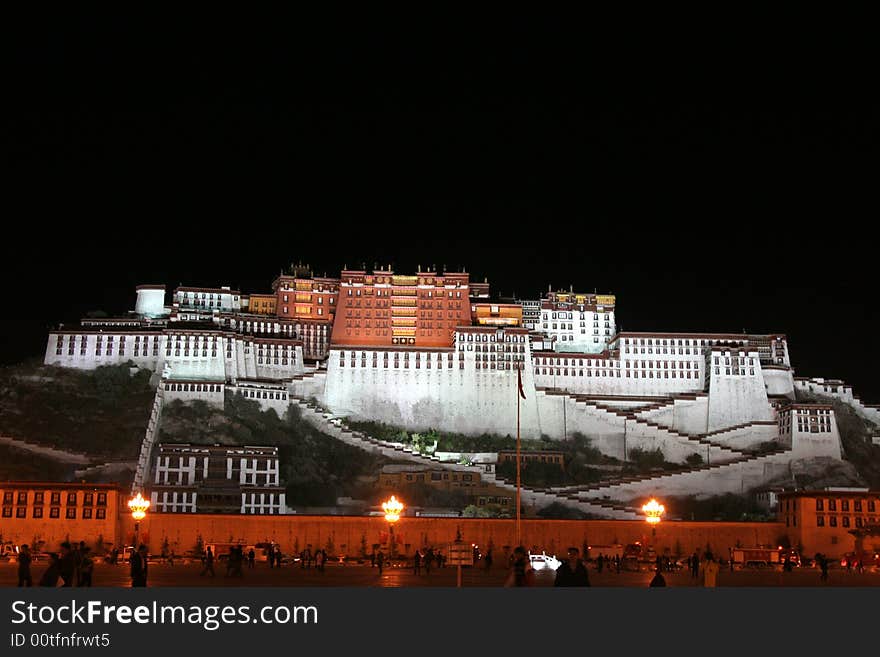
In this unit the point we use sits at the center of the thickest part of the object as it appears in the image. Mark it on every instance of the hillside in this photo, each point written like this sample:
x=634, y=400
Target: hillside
x=855, y=436
x=315, y=468
x=102, y=413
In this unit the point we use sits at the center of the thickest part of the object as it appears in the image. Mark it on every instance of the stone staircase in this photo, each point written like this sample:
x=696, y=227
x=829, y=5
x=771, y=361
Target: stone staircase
x=317, y=416
x=606, y=499
x=142, y=470
x=630, y=487
x=699, y=443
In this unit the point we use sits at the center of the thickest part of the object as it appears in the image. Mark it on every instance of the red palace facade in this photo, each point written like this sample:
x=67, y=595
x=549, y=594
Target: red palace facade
x=381, y=308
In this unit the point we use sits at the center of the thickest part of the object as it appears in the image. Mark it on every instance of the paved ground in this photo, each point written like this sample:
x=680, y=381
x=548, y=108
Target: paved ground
x=182, y=574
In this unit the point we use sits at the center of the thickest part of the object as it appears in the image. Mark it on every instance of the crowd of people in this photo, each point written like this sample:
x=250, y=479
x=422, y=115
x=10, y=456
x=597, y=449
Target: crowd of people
x=73, y=565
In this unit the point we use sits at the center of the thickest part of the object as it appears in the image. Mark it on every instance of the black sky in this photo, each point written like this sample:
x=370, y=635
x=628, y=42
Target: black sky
x=712, y=183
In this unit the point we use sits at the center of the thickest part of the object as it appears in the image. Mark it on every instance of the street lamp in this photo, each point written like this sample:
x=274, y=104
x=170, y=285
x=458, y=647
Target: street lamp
x=392, y=508
x=653, y=510
x=138, y=506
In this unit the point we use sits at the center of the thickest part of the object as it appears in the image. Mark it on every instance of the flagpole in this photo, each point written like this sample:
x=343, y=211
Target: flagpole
x=518, y=522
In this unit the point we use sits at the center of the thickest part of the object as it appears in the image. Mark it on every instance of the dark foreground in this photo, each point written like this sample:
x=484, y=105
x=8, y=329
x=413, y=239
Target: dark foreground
x=188, y=574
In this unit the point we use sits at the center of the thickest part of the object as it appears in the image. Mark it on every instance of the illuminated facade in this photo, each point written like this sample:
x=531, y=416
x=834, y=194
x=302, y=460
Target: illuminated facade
x=832, y=520
x=262, y=304
x=497, y=314
x=579, y=322
x=216, y=479
x=381, y=308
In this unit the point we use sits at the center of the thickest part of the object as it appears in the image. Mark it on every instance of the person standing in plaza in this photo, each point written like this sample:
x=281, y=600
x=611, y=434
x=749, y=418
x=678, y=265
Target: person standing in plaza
x=252, y=557
x=270, y=555
x=86, y=567
x=658, y=580
x=52, y=574
x=139, y=567
x=710, y=571
x=417, y=562
x=24, y=567
x=572, y=572
x=209, y=563
x=695, y=565
x=380, y=560
x=66, y=564
x=521, y=573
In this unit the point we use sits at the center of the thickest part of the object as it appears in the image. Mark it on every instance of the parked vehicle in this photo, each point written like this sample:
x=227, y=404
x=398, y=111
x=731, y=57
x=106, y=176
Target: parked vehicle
x=756, y=557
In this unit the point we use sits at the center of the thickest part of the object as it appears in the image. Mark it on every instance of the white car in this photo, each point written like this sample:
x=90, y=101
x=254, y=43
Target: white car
x=543, y=561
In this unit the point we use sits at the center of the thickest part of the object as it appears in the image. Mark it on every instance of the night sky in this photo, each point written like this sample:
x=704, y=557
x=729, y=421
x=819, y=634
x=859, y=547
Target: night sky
x=712, y=185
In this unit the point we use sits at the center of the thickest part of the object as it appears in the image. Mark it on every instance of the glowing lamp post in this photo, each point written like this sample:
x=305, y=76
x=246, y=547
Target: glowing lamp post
x=392, y=508
x=653, y=510
x=138, y=506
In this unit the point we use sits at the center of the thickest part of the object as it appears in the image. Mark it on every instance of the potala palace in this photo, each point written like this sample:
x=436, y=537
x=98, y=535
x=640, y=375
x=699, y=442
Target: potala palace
x=433, y=349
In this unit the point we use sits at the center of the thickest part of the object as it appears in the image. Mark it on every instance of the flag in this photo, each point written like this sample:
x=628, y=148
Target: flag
x=519, y=383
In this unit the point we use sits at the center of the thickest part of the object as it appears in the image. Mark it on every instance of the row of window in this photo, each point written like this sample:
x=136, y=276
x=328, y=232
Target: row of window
x=598, y=316
x=307, y=298
x=87, y=513
x=740, y=372
x=615, y=373
x=471, y=337
x=264, y=394
x=194, y=387
x=844, y=505
x=71, y=339
x=208, y=295
x=844, y=521
x=682, y=351
x=686, y=342
x=21, y=498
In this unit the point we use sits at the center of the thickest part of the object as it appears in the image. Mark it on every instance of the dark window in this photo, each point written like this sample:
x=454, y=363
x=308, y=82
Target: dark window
x=88, y=499
x=56, y=498
x=100, y=514
x=7, y=511
x=71, y=513
x=87, y=514
x=38, y=512
x=71, y=499
x=832, y=505
x=21, y=512
x=820, y=505
x=54, y=512
x=22, y=497
x=844, y=505
x=7, y=497
x=38, y=497
x=832, y=521
x=820, y=521
x=102, y=499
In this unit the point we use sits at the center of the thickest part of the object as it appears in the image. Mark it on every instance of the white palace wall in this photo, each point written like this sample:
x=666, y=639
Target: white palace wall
x=436, y=388
x=778, y=380
x=206, y=354
x=736, y=389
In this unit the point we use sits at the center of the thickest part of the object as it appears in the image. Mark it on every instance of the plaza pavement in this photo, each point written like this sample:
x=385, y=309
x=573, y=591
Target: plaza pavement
x=358, y=575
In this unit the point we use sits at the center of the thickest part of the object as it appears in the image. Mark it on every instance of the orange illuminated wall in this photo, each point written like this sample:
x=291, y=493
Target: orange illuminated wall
x=382, y=308
x=300, y=297
x=497, y=314
x=262, y=304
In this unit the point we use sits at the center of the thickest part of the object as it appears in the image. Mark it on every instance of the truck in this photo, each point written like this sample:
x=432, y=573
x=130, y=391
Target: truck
x=756, y=557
